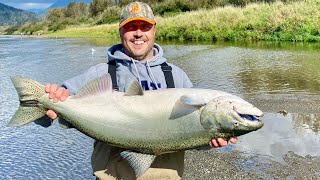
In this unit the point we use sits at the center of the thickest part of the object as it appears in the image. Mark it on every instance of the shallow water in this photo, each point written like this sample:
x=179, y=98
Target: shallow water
x=274, y=77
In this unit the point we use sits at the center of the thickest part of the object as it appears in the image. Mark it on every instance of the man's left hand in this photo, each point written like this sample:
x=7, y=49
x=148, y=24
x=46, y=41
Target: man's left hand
x=219, y=142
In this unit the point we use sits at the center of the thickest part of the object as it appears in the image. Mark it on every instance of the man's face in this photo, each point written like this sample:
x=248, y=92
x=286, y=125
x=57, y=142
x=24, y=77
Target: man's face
x=137, y=37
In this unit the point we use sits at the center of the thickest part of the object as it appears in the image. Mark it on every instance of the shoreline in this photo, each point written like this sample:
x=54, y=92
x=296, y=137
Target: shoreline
x=276, y=21
x=296, y=21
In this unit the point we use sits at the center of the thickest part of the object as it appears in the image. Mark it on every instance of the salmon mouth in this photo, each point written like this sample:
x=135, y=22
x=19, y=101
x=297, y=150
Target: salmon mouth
x=249, y=117
x=251, y=122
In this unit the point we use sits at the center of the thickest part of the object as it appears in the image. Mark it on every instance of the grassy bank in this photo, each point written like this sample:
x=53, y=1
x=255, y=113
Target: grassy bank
x=107, y=30
x=2, y=29
x=296, y=21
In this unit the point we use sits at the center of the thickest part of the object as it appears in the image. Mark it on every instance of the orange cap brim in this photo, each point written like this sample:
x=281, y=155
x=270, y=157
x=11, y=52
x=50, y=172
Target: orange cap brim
x=134, y=19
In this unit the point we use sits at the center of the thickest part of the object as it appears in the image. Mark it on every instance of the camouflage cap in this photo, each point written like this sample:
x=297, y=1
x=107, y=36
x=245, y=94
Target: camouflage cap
x=136, y=11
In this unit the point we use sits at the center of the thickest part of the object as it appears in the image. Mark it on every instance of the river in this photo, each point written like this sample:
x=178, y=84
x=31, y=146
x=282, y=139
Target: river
x=276, y=77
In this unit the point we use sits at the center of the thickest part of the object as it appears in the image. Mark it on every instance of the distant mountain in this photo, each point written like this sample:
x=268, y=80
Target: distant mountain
x=38, y=11
x=64, y=3
x=12, y=16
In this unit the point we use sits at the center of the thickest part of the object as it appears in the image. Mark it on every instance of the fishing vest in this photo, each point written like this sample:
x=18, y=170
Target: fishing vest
x=166, y=69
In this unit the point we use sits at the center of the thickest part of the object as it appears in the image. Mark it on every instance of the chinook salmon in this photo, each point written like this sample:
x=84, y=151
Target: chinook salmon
x=147, y=123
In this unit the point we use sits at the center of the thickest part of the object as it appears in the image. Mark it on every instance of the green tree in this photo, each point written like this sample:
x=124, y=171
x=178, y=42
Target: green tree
x=76, y=10
x=98, y=6
x=55, y=14
x=31, y=27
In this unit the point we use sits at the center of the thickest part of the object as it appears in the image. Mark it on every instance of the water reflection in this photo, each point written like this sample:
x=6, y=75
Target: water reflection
x=274, y=72
x=281, y=134
x=304, y=122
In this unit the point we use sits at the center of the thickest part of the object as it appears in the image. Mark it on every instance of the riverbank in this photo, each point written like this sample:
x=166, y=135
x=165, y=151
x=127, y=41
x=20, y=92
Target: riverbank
x=295, y=21
x=235, y=165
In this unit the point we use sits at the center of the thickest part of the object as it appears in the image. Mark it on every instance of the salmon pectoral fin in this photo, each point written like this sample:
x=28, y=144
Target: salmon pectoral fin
x=139, y=162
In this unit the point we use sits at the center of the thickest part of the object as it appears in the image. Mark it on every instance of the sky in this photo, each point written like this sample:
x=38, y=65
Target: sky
x=28, y=4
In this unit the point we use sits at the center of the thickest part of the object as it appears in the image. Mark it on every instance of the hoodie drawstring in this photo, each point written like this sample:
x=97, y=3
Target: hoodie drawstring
x=149, y=70
x=135, y=66
x=151, y=75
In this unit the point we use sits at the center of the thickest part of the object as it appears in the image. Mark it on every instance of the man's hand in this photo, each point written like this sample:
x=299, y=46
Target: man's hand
x=57, y=94
x=219, y=142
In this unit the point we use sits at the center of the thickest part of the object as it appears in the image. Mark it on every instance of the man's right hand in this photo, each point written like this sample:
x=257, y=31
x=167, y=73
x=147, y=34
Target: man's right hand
x=57, y=94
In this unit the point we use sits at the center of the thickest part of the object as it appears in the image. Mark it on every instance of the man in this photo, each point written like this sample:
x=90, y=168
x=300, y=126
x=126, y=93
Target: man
x=136, y=58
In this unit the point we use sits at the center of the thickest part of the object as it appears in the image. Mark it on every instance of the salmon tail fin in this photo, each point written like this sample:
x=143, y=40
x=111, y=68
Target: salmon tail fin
x=29, y=92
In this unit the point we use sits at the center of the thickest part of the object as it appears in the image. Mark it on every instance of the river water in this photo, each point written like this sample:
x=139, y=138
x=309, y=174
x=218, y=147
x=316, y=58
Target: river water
x=276, y=77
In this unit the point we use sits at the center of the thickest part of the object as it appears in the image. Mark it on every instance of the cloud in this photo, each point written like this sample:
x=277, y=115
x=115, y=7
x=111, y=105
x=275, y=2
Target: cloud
x=27, y=1
x=27, y=6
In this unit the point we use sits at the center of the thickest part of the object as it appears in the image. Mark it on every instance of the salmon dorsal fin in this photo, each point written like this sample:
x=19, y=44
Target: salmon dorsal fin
x=135, y=89
x=102, y=84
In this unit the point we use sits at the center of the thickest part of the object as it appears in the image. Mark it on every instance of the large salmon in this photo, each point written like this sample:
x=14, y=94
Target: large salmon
x=147, y=123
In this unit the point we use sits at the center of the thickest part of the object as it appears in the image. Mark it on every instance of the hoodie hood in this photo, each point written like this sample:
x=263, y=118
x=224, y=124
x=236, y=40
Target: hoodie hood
x=148, y=73
x=116, y=52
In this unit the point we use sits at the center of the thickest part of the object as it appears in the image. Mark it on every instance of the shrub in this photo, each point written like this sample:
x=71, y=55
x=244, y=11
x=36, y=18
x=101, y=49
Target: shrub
x=61, y=24
x=109, y=15
x=11, y=30
x=31, y=27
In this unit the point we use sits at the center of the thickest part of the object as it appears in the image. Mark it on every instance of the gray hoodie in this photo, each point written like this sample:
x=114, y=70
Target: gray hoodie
x=148, y=73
